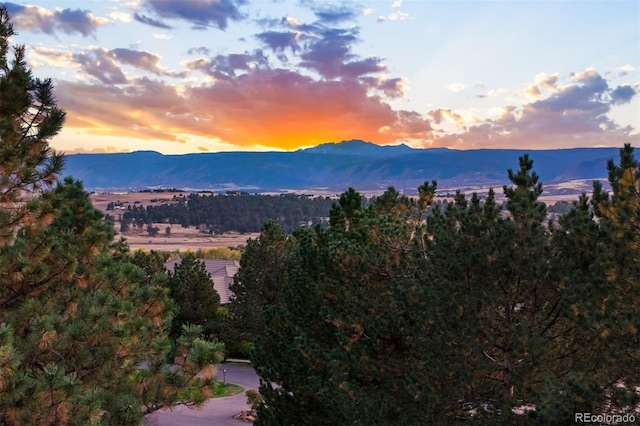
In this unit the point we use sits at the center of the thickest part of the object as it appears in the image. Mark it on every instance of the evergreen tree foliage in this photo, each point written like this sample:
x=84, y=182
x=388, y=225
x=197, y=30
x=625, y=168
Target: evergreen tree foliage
x=29, y=118
x=352, y=326
x=257, y=285
x=599, y=260
x=83, y=330
x=518, y=332
x=619, y=216
x=233, y=212
x=405, y=313
x=197, y=302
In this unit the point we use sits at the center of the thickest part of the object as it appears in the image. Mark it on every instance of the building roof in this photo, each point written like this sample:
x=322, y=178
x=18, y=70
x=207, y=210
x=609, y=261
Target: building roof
x=221, y=271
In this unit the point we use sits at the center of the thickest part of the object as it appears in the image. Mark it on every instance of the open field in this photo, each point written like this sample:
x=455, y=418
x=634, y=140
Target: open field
x=179, y=238
x=183, y=239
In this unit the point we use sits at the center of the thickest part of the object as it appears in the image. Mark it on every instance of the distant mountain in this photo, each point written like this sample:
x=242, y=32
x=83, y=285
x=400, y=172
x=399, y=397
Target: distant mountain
x=358, y=147
x=331, y=167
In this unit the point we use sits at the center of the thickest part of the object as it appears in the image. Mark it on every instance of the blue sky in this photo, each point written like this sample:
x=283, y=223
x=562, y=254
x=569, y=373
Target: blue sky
x=181, y=76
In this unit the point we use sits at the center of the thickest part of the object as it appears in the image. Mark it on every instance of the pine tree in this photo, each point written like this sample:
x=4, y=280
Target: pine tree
x=513, y=297
x=578, y=259
x=29, y=118
x=83, y=330
x=597, y=261
x=350, y=341
x=619, y=325
x=257, y=285
x=197, y=302
x=459, y=249
x=469, y=315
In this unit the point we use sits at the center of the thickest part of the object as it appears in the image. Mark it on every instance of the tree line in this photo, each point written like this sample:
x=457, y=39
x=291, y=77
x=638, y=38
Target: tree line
x=466, y=315
x=218, y=213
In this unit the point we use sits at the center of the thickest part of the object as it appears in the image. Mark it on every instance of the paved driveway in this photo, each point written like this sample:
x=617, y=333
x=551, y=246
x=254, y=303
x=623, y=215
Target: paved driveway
x=217, y=411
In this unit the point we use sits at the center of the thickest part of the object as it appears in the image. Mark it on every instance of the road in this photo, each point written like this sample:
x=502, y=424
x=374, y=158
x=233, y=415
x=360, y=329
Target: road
x=215, y=412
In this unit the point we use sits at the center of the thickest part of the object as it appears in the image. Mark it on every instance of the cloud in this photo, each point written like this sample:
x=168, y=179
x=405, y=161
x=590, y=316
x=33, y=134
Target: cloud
x=280, y=41
x=120, y=16
x=104, y=65
x=325, y=49
x=40, y=56
x=289, y=109
x=395, y=16
x=445, y=114
x=391, y=87
x=543, y=82
x=275, y=108
x=329, y=54
x=225, y=67
x=142, y=109
x=625, y=69
x=69, y=21
x=335, y=15
x=202, y=50
x=622, y=94
x=100, y=64
x=574, y=114
x=105, y=150
x=163, y=36
x=144, y=19
x=244, y=99
x=489, y=94
x=142, y=60
x=200, y=13
x=584, y=95
x=456, y=87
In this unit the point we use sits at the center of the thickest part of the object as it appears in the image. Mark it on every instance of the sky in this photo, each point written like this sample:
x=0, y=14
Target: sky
x=185, y=76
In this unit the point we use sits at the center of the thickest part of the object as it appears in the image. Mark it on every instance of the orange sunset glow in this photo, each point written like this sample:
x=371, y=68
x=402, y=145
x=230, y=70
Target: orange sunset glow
x=179, y=77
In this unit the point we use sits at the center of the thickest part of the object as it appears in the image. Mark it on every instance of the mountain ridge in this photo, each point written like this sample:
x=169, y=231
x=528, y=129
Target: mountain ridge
x=331, y=166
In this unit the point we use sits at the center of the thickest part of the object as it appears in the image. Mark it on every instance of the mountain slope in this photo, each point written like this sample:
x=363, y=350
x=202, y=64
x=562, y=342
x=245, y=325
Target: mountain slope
x=362, y=165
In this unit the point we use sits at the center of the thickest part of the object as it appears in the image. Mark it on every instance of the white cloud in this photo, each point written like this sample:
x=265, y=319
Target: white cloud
x=625, y=70
x=395, y=16
x=292, y=22
x=489, y=94
x=120, y=16
x=456, y=87
x=163, y=36
x=368, y=11
x=44, y=56
x=399, y=16
x=397, y=3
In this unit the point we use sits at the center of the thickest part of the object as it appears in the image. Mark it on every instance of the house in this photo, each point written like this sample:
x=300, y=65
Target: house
x=221, y=271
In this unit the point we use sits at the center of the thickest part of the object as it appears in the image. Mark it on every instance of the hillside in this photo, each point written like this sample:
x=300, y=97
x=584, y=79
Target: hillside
x=331, y=167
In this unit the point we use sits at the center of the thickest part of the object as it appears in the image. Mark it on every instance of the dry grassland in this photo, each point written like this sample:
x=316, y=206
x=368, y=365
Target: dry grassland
x=180, y=238
x=190, y=238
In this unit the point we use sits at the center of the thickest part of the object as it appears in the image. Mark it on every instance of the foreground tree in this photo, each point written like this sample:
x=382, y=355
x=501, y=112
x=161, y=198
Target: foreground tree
x=349, y=342
x=257, y=285
x=618, y=320
x=83, y=331
x=520, y=333
x=471, y=315
x=197, y=302
x=28, y=119
x=599, y=260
